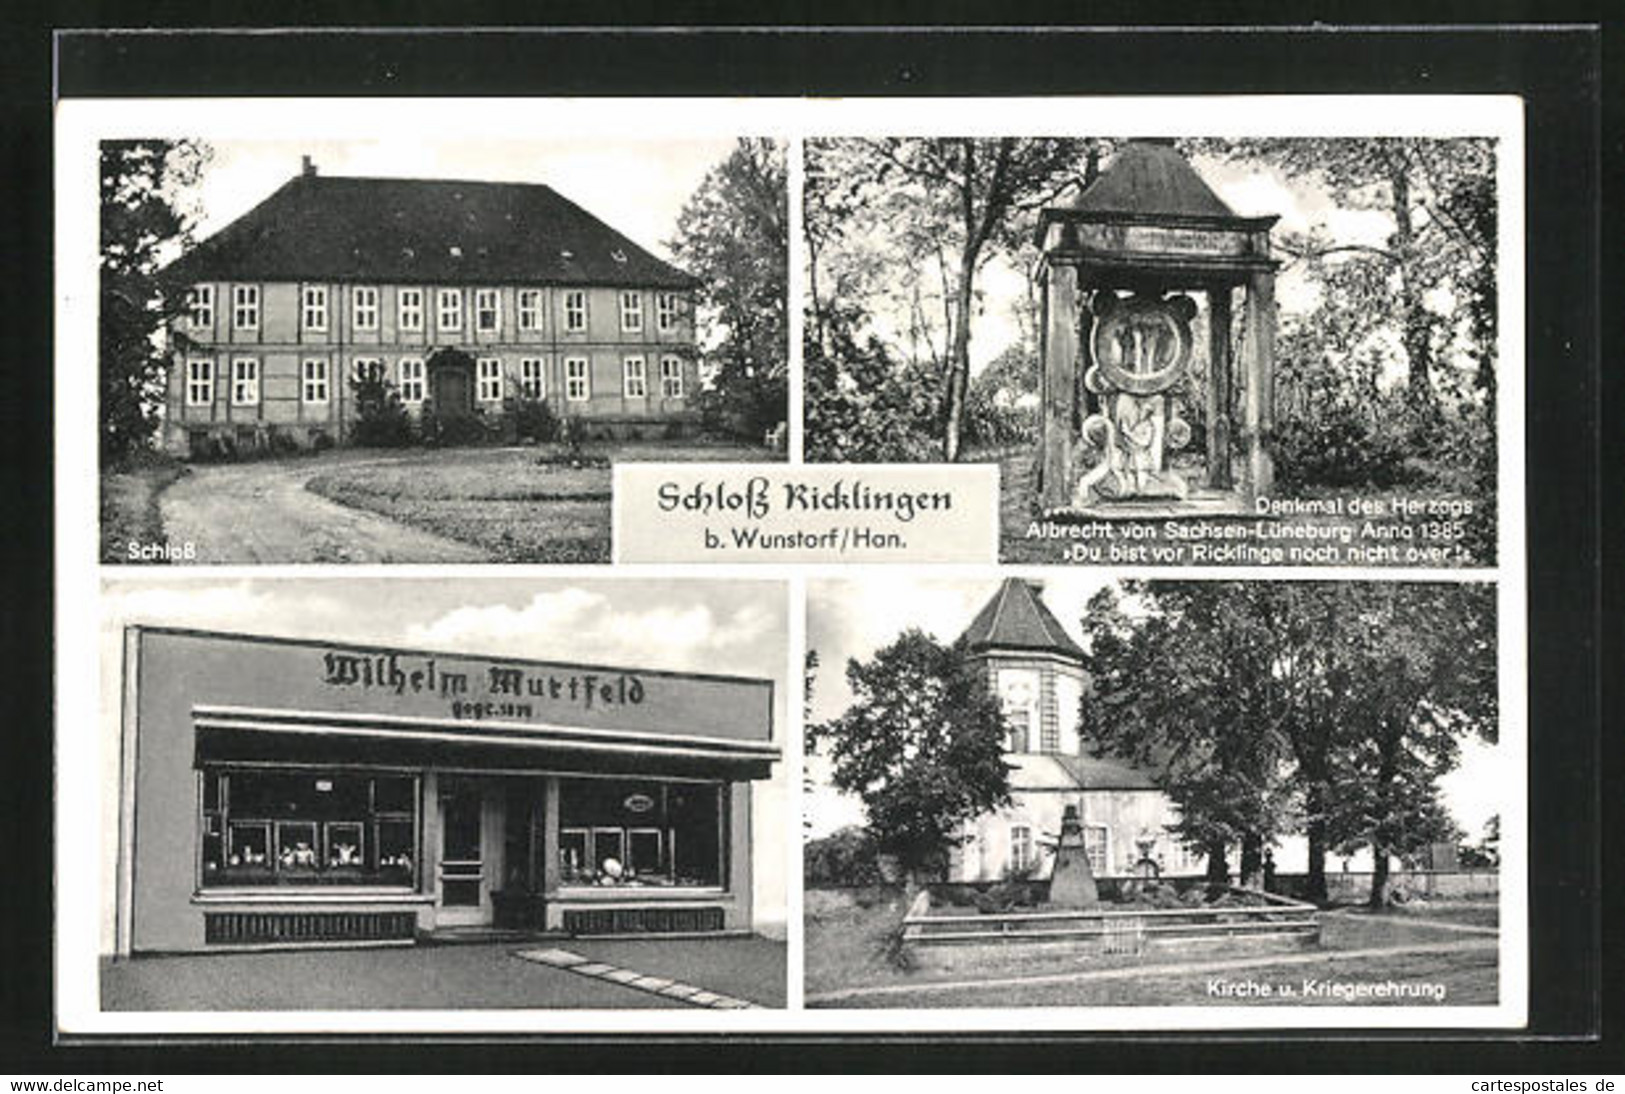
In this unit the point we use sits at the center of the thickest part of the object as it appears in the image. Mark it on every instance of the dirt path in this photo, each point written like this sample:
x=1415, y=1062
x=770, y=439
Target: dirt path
x=261, y=512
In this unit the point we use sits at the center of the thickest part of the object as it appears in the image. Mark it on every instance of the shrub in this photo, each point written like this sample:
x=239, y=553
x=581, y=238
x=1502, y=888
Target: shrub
x=381, y=419
x=847, y=857
x=1001, y=406
x=864, y=405
x=1342, y=446
x=534, y=420
x=895, y=950
x=281, y=443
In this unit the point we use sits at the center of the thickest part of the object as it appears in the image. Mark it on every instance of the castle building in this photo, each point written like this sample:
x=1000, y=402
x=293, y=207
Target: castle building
x=1036, y=670
x=467, y=297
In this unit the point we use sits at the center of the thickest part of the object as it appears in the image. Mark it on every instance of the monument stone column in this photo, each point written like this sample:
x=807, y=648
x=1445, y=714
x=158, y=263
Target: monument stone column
x=1258, y=411
x=1060, y=378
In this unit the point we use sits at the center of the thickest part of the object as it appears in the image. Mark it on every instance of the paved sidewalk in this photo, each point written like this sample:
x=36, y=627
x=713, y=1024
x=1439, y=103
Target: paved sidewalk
x=429, y=977
x=692, y=994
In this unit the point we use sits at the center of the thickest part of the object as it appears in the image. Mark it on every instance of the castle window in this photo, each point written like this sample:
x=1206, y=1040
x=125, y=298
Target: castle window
x=199, y=382
x=531, y=383
x=411, y=379
x=575, y=310
x=450, y=309
x=490, y=379
x=487, y=310
x=409, y=309
x=200, y=306
x=367, y=370
x=530, y=309
x=245, y=381
x=245, y=307
x=666, y=312
x=631, y=312
x=365, y=308
x=635, y=385
x=577, y=387
x=313, y=307
x=314, y=386
x=671, y=376
x=1021, y=849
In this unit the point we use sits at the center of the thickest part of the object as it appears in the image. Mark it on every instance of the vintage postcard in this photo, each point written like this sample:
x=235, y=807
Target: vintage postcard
x=725, y=566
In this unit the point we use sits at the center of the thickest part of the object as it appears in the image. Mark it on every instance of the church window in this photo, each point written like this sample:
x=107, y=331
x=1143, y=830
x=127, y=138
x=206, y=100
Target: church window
x=1095, y=844
x=1018, y=721
x=1021, y=849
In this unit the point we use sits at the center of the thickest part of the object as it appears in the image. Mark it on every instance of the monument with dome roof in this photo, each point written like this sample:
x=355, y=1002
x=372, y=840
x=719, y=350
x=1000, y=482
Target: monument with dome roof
x=1123, y=405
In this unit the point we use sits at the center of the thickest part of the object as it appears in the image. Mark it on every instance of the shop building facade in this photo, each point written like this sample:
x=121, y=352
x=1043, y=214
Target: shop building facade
x=278, y=792
x=1036, y=671
x=467, y=297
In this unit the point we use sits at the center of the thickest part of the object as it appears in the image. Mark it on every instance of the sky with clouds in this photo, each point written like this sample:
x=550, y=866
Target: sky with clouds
x=637, y=186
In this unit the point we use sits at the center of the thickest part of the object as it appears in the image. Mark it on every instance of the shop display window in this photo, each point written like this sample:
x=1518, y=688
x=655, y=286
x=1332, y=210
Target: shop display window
x=642, y=832
x=643, y=850
x=266, y=827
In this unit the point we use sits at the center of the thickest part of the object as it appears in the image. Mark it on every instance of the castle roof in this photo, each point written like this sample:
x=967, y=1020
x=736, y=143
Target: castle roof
x=320, y=228
x=1016, y=619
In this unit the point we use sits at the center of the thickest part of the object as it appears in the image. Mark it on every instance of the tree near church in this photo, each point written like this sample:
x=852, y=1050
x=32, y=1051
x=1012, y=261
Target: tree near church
x=922, y=746
x=145, y=220
x=1183, y=686
x=1329, y=709
x=733, y=234
x=1425, y=680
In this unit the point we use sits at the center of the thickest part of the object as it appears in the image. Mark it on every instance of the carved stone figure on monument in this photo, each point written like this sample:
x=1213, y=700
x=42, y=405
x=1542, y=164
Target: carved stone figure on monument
x=1142, y=350
x=1151, y=228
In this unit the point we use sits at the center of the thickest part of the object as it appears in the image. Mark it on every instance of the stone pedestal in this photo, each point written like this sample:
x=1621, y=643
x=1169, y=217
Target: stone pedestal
x=1072, y=884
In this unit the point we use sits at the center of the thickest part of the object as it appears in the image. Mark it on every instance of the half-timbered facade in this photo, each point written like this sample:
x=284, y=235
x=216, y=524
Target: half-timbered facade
x=467, y=297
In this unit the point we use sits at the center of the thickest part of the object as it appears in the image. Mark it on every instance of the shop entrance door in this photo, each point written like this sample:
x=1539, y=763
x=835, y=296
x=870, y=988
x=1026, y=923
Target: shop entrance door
x=465, y=898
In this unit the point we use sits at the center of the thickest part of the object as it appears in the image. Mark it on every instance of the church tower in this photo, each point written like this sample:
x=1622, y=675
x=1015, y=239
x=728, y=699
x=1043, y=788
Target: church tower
x=1033, y=667
x=1036, y=671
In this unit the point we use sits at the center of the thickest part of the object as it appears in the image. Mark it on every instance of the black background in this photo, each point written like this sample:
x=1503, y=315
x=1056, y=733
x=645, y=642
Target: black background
x=1556, y=69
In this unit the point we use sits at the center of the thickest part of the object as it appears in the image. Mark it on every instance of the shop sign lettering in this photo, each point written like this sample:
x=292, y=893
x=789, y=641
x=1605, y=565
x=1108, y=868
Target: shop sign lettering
x=398, y=674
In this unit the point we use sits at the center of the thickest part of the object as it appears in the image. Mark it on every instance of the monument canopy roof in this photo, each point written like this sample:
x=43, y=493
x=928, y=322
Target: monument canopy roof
x=1151, y=179
x=1017, y=619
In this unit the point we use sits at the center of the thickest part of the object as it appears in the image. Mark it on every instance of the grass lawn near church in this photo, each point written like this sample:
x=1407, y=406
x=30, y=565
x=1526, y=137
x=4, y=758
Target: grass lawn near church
x=845, y=938
x=523, y=504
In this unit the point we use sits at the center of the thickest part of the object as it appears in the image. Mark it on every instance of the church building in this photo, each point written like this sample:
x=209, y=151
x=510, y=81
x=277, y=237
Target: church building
x=1036, y=670
x=466, y=297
